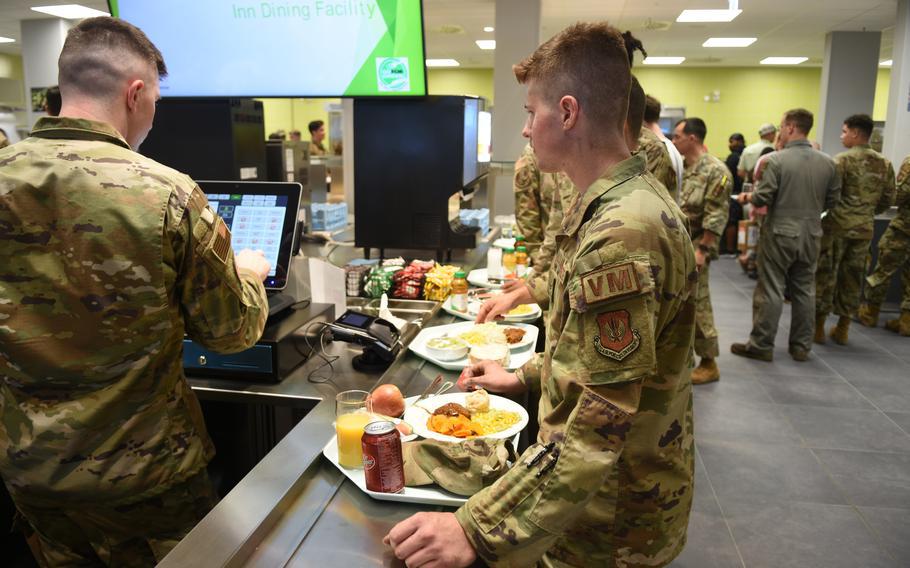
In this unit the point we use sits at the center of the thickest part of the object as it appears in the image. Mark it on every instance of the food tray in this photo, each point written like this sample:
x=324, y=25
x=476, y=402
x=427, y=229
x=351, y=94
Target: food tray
x=517, y=358
x=474, y=306
x=504, y=243
x=478, y=277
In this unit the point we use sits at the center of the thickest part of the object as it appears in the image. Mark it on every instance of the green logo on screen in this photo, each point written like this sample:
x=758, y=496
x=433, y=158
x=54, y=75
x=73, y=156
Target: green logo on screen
x=392, y=74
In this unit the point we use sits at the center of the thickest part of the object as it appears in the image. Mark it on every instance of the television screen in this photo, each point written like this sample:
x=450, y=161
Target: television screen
x=302, y=48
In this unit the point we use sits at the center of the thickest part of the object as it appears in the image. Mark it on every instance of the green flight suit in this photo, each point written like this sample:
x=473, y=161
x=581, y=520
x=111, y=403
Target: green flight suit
x=797, y=184
x=609, y=481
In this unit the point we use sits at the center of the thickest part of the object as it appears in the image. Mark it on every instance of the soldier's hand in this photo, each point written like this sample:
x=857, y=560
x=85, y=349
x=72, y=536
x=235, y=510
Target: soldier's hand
x=700, y=259
x=431, y=539
x=512, y=284
x=744, y=197
x=491, y=376
x=496, y=307
x=253, y=260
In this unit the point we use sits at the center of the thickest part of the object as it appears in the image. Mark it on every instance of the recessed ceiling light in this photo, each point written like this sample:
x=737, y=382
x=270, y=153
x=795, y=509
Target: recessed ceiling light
x=442, y=63
x=783, y=60
x=486, y=43
x=708, y=15
x=729, y=42
x=70, y=11
x=650, y=60
x=489, y=28
x=6, y=39
x=885, y=63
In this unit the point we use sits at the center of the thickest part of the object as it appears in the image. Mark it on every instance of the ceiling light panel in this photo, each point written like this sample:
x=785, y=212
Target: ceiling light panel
x=70, y=11
x=783, y=60
x=886, y=63
x=442, y=63
x=489, y=29
x=663, y=60
x=729, y=42
x=6, y=40
x=486, y=43
x=708, y=15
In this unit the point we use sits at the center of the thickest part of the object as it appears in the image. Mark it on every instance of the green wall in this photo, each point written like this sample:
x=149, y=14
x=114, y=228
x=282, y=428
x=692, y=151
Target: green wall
x=288, y=114
x=10, y=66
x=448, y=81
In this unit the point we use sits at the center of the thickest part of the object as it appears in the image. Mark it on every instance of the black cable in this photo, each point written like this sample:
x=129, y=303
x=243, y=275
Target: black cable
x=329, y=359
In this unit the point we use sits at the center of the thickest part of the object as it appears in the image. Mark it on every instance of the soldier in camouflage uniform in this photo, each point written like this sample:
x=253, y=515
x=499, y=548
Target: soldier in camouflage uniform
x=796, y=184
x=658, y=157
x=614, y=378
x=893, y=252
x=705, y=200
x=534, y=192
x=109, y=258
x=867, y=189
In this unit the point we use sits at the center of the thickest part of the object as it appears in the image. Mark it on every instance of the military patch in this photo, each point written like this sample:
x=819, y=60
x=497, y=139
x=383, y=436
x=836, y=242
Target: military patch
x=616, y=338
x=221, y=243
x=610, y=282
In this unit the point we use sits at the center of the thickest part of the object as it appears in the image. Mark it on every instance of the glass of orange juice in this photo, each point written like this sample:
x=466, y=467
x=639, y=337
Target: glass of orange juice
x=352, y=413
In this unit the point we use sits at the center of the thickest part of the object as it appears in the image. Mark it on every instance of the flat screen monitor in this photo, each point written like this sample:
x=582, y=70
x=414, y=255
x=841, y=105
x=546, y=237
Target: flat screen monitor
x=261, y=216
x=302, y=48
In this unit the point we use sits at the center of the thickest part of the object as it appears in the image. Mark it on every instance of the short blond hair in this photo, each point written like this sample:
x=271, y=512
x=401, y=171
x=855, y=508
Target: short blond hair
x=588, y=61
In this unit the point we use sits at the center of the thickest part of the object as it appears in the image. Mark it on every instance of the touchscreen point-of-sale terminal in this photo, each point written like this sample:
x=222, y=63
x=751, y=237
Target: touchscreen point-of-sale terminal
x=379, y=338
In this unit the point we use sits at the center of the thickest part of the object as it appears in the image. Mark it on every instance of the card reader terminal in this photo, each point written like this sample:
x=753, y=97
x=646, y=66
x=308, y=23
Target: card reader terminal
x=379, y=338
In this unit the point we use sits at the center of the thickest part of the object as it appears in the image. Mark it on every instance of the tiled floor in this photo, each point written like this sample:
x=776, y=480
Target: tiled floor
x=800, y=464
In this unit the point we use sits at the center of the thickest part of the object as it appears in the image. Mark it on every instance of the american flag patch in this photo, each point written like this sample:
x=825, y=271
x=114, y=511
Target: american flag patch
x=221, y=244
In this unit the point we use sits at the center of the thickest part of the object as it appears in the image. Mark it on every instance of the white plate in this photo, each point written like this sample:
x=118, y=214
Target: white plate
x=478, y=277
x=474, y=307
x=516, y=358
x=504, y=243
x=417, y=416
x=428, y=494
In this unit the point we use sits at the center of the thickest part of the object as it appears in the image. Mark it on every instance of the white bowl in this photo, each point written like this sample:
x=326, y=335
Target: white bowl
x=447, y=348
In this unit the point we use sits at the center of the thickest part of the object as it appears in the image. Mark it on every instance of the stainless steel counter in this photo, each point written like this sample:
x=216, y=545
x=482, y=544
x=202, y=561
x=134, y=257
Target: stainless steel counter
x=294, y=508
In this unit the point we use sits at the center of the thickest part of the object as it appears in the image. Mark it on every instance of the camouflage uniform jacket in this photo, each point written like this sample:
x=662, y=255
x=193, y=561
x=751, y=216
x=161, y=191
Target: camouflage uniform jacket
x=705, y=195
x=901, y=221
x=866, y=189
x=534, y=191
x=537, y=278
x=609, y=482
x=659, y=162
x=107, y=259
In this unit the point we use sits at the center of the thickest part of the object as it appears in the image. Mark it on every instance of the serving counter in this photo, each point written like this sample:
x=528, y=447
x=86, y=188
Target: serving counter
x=294, y=508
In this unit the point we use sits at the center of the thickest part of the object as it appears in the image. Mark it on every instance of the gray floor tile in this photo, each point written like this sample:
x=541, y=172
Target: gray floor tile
x=902, y=419
x=846, y=429
x=718, y=419
x=873, y=479
x=766, y=472
x=892, y=526
x=703, y=500
x=807, y=535
x=856, y=365
x=782, y=364
x=732, y=388
x=889, y=394
x=813, y=391
x=709, y=544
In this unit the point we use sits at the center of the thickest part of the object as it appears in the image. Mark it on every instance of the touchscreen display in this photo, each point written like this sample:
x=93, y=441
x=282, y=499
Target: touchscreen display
x=354, y=320
x=256, y=222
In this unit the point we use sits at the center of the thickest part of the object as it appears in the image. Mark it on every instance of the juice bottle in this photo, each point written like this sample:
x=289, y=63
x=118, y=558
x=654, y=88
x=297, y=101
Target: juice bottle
x=521, y=261
x=508, y=262
x=459, y=292
x=520, y=241
x=349, y=428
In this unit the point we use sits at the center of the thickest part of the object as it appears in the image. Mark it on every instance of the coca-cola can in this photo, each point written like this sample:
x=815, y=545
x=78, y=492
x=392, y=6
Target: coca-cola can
x=383, y=466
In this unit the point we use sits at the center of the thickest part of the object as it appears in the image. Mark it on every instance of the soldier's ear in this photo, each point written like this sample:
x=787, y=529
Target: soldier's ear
x=133, y=93
x=569, y=111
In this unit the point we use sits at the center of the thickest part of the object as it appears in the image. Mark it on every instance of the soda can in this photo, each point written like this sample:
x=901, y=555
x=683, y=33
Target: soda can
x=383, y=466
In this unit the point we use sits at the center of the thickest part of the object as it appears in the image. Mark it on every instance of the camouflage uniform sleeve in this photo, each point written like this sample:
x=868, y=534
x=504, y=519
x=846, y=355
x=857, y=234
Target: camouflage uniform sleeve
x=717, y=201
x=902, y=191
x=887, y=198
x=769, y=183
x=832, y=197
x=543, y=257
x=526, y=185
x=224, y=310
x=529, y=373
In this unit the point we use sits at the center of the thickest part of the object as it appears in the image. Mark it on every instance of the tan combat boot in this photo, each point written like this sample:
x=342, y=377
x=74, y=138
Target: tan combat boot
x=900, y=325
x=868, y=315
x=706, y=372
x=840, y=332
x=820, y=329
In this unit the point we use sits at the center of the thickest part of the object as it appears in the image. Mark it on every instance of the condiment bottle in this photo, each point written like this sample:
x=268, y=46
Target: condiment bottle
x=459, y=292
x=508, y=262
x=521, y=261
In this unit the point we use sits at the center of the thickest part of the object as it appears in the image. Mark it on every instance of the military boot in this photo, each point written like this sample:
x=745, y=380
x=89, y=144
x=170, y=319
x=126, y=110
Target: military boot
x=868, y=314
x=900, y=325
x=840, y=332
x=706, y=372
x=820, y=329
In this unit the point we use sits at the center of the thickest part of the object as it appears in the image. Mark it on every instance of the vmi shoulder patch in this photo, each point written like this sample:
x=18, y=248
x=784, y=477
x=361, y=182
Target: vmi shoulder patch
x=610, y=282
x=616, y=338
x=221, y=243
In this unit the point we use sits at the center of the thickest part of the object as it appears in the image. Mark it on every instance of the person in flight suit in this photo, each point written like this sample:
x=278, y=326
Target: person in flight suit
x=893, y=252
x=614, y=380
x=109, y=259
x=796, y=183
x=705, y=199
x=867, y=189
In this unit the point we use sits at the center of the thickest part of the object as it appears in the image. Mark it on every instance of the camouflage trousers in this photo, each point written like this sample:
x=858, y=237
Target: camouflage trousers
x=839, y=277
x=706, y=344
x=893, y=253
x=137, y=534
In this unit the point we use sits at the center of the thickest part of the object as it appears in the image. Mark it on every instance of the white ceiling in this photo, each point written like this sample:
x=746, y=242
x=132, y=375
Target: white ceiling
x=783, y=27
